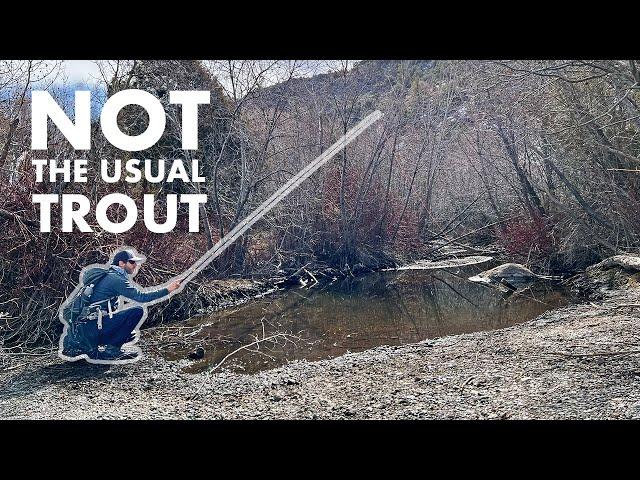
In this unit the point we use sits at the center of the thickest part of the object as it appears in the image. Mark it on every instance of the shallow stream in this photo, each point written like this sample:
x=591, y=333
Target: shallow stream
x=355, y=314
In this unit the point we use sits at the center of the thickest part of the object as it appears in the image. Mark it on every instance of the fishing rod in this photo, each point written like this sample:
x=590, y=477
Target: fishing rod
x=275, y=198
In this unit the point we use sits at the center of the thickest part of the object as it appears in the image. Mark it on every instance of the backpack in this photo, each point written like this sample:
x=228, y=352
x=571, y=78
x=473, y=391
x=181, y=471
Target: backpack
x=74, y=308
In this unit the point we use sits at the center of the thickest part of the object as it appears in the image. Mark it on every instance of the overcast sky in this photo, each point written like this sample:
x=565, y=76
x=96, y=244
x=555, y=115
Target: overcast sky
x=81, y=71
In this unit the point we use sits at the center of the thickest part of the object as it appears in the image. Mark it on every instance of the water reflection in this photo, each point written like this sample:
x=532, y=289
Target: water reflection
x=386, y=308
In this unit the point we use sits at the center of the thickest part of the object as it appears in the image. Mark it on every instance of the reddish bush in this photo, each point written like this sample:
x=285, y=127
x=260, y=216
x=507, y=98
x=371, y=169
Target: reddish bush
x=525, y=236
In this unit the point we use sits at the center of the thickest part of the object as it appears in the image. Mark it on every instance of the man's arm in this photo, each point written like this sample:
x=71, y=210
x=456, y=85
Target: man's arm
x=129, y=291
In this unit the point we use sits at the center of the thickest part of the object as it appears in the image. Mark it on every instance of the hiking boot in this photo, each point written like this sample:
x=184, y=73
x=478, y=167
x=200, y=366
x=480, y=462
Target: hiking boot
x=72, y=352
x=72, y=348
x=127, y=356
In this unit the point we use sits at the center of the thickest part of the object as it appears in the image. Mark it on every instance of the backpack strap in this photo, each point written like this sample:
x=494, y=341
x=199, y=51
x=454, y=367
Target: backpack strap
x=96, y=313
x=104, y=303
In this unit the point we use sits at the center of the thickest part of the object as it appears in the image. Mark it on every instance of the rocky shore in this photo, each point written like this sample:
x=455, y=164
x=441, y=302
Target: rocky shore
x=577, y=362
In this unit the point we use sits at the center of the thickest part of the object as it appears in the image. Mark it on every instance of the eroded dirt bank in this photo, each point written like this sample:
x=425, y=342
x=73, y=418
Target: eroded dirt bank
x=581, y=361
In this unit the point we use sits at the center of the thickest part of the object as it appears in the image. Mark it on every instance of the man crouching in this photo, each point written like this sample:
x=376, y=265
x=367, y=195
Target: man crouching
x=95, y=329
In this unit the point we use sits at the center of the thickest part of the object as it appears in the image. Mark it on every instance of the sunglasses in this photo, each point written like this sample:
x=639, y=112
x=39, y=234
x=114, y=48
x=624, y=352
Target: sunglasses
x=132, y=262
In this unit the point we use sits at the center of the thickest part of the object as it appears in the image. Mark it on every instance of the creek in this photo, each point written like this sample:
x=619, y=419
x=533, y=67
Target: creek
x=354, y=314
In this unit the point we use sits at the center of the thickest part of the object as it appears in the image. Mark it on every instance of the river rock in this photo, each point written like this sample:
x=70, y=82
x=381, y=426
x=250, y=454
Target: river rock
x=627, y=262
x=510, y=274
x=197, y=354
x=614, y=273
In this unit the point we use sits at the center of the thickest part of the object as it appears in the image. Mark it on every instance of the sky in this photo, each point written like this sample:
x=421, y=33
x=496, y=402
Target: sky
x=81, y=71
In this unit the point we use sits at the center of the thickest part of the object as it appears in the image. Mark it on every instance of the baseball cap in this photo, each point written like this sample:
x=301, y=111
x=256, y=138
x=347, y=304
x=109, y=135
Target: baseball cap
x=125, y=256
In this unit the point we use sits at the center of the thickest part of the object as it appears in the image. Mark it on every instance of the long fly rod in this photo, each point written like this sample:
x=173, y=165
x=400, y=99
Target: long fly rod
x=276, y=198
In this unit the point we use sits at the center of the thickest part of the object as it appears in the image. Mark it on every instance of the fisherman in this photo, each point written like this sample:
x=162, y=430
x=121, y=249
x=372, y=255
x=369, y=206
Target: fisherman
x=101, y=330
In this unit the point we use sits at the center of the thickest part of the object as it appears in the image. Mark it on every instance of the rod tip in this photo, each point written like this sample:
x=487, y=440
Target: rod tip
x=376, y=115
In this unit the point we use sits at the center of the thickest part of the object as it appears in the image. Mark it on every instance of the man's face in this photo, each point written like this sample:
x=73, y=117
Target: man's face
x=129, y=266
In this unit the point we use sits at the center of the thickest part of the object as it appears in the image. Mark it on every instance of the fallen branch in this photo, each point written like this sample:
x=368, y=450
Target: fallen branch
x=465, y=383
x=312, y=276
x=245, y=347
x=256, y=342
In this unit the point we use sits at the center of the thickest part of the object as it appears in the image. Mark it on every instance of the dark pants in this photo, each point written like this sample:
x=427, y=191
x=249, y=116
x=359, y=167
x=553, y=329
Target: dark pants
x=84, y=336
x=118, y=329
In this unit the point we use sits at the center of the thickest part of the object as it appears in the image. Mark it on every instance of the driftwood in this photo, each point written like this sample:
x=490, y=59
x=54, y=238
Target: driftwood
x=440, y=264
x=512, y=274
x=510, y=277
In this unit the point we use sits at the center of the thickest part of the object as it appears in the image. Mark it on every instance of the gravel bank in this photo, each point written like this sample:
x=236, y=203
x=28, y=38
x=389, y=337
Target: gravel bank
x=563, y=364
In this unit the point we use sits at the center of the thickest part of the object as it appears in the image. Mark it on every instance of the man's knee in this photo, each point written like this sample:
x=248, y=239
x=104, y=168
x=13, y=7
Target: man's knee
x=126, y=322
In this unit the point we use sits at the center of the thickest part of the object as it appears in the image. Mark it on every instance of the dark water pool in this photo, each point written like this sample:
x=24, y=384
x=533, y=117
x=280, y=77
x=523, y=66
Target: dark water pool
x=386, y=308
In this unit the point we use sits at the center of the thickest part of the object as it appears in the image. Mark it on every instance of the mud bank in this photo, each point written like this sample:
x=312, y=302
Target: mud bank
x=579, y=362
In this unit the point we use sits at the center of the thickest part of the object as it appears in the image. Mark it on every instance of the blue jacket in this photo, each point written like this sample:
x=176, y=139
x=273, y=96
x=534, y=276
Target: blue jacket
x=116, y=283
